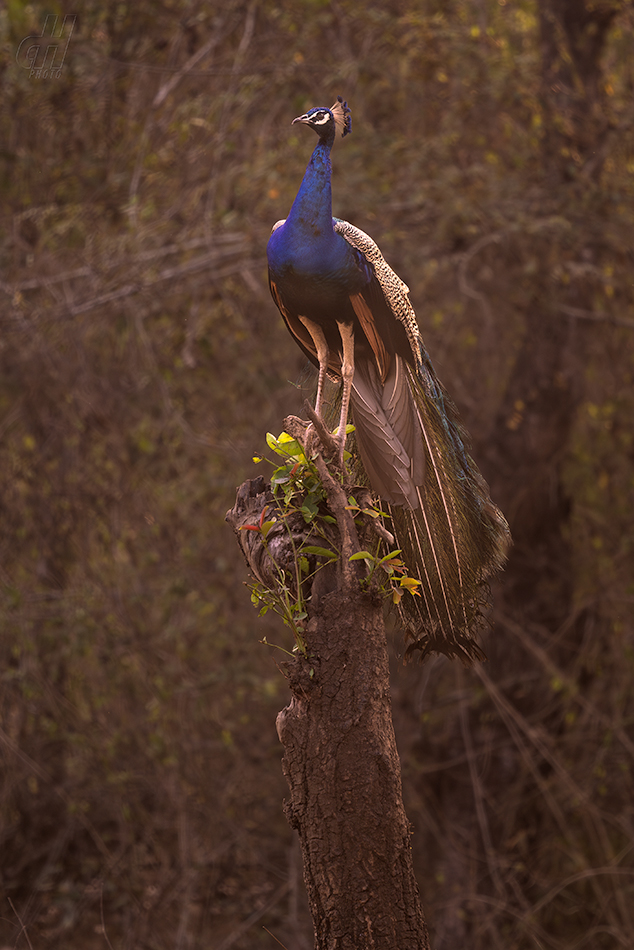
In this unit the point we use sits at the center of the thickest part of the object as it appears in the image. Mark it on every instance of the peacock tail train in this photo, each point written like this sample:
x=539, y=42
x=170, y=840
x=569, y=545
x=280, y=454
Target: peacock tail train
x=452, y=536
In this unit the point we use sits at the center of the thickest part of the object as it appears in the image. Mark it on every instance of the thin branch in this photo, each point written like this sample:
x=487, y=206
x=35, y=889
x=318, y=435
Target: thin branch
x=597, y=315
x=22, y=924
x=144, y=139
x=103, y=920
x=510, y=717
x=274, y=937
x=246, y=925
x=536, y=738
x=217, y=36
x=171, y=84
x=247, y=36
x=573, y=878
x=172, y=273
x=478, y=793
x=236, y=241
x=528, y=642
x=465, y=286
x=12, y=289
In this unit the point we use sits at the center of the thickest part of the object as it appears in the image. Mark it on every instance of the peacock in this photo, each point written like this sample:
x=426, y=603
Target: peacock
x=351, y=315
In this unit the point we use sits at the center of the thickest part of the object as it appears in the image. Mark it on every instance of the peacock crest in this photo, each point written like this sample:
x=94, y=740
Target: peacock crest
x=342, y=116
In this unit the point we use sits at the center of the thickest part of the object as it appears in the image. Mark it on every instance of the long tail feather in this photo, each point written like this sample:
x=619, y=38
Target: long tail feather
x=455, y=539
x=452, y=535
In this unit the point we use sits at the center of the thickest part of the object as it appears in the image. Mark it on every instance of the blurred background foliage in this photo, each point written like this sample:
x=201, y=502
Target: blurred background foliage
x=141, y=363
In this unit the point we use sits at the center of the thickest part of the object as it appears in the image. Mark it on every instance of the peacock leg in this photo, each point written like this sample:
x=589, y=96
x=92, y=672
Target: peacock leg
x=321, y=349
x=347, y=373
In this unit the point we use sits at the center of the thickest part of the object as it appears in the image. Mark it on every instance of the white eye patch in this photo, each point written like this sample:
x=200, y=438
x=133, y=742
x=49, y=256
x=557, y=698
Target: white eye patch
x=321, y=119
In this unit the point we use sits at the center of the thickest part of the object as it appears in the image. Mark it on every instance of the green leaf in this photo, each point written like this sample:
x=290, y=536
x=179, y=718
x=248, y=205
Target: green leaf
x=349, y=429
x=294, y=449
x=363, y=556
x=321, y=552
x=376, y=513
x=309, y=510
x=286, y=446
x=411, y=584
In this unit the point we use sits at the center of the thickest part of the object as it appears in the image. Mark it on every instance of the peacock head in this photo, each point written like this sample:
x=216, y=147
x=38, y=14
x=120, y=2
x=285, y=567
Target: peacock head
x=327, y=122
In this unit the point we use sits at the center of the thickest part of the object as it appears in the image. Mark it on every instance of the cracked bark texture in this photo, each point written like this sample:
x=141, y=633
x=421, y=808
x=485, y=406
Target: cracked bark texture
x=340, y=759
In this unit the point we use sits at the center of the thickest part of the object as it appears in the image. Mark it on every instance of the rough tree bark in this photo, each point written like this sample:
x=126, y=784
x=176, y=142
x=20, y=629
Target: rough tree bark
x=340, y=756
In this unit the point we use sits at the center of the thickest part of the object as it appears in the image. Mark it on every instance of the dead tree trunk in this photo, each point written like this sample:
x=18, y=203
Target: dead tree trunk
x=340, y=756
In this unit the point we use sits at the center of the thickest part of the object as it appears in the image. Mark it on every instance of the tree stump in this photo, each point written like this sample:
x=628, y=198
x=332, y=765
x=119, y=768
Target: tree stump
x=340, y=757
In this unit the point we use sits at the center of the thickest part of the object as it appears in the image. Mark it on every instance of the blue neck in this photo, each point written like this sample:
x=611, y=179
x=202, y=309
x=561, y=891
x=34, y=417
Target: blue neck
x=312, y=209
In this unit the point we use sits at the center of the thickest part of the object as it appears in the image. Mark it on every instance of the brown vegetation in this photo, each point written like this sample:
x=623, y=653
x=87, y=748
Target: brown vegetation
x=141, y=361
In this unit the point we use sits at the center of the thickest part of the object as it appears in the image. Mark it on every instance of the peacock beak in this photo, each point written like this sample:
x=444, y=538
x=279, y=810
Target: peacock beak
x=304, y=119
